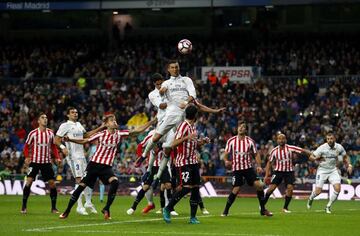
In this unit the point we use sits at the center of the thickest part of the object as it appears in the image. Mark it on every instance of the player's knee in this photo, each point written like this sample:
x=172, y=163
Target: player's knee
x=236, y=190
x=78, y=180
x=258, y=185
x=290, y=187
x=114, y=182
x=146, y=187
x=82, y=185
x=52, y=183
x=167, y=185
x=29, y=181
x=337, y=187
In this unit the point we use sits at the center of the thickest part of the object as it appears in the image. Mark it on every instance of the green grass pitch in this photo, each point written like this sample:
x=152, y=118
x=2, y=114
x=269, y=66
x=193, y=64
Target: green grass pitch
x=244, y=219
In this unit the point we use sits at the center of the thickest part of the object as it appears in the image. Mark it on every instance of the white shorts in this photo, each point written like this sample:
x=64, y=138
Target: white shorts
x=169, y=122
x=168, y=138
x=77, y=166
x=323, y=175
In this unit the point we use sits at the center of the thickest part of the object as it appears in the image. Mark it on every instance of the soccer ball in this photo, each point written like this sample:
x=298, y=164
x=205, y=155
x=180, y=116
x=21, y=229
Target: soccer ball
x=184, y=46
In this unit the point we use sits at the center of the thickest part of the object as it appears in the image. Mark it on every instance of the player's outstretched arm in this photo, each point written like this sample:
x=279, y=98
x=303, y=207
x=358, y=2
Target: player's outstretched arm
x=207, y=109
x=78, y=141
x=94, y=131
x=142, y=128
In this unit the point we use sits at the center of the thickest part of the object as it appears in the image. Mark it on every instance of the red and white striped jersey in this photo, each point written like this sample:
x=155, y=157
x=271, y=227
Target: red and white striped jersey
x=141, y=146
x=241, y=150
x=40, y=144
x=283, y=157
x=186, y=151
x=107, y=147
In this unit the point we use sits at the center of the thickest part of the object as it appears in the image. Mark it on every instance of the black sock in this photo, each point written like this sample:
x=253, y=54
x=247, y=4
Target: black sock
x=138, y=199
x=53, y=196
x=266, y=198
x=169, y=197
x=111, y=194
x=194, y=201
x=229, y=202
x=260, y=195
x=287, y=201
x=26, y=194
x=74, y=197
x=201, y=203
x=177, y=197
x=162, y=199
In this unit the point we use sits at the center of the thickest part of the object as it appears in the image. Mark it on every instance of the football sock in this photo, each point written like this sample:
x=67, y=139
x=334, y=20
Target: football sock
x=74, y=197
x=287, y=201
x=177, y=196
x=111, y=194
x=229, y=202
x=201, y=203
x=194, y=201
x=53, y=196
x=26, y=194
x=260, y=196
x=333, y=198
x=163, y=165
x=102, y=191
x=162, y=199
x=151, y=161
x=87, y=194
x=150, y=195
x=138, y=199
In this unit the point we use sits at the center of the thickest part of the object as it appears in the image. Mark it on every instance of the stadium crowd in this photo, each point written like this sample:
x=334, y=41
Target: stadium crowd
x=295, y=55
x=303, y=110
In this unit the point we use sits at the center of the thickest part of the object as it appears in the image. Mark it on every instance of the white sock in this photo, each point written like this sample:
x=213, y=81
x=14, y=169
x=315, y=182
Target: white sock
x=151, y=160
x=312, y=195
x=149, y=196
x=150, y=145
x=88, y=194
x=163, y=165
x=79, y=201
x=332, y=199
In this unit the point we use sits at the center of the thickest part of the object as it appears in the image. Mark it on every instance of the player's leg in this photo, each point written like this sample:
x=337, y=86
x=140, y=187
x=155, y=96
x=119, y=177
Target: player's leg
x=335, y=181
x=288, y=197
x=165, y=180
x=114, y=184
x=162, y=196
x=89, y=179
x=32, y=172
x=149, y=195
x=319, y=183
x=269, y=191
x=149, y=146
x=87, y=191
x=49, y=176
x=195, y=193
x=184, y=178
x=141, y=193
x=75, y=166
x=237, y=181
x=289, y=182
x=102, y=191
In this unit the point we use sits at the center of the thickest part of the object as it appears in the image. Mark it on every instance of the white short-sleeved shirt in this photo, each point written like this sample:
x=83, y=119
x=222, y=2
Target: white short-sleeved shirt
x=178, y=90
x=73, y=130
x=156, y=99
x=330, y=155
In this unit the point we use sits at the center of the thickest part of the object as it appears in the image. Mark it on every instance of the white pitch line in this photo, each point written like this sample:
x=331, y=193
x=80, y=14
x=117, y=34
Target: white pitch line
x=169, y=233
x=104, y=223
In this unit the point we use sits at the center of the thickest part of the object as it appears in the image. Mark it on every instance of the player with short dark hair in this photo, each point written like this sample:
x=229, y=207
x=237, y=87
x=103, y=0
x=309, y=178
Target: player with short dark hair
x=242, y=148
x=100, y=165
x=38, y=148
x=186, y=159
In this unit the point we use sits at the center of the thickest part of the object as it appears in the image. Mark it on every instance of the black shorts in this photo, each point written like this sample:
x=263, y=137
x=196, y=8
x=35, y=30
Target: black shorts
x=239, y=175
x=164, y=178
x=279, y=176
x=46, y=169
x=189, y=175
x=95, y=170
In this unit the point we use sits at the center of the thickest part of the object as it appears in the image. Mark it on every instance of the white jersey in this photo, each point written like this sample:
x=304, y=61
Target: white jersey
x=73, y=130
x=156, y=99
x=330, y=155
x=178, y=90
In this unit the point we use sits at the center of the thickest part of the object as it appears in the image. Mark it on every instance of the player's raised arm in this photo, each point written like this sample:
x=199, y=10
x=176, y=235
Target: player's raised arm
x=78, y=141
x=207, y=109
x=142, y=128
x=180, y=140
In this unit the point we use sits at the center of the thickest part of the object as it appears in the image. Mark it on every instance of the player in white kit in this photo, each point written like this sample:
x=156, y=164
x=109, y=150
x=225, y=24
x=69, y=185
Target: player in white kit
x=328, y=154
x=75, y=155
x=170, y=97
